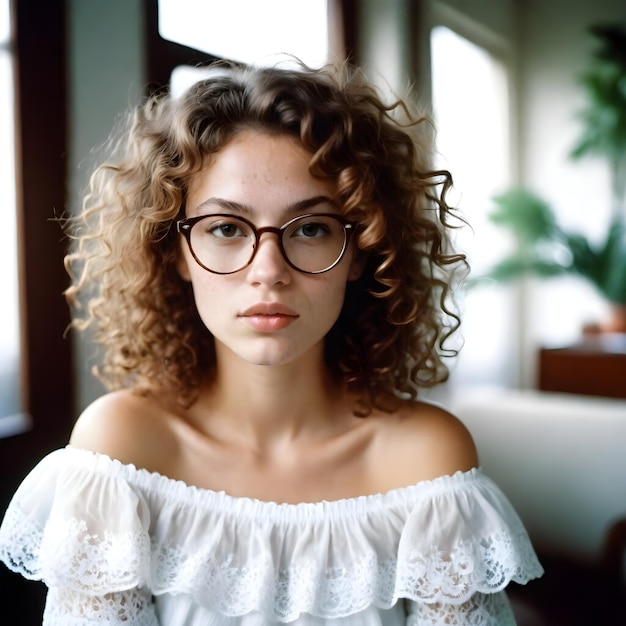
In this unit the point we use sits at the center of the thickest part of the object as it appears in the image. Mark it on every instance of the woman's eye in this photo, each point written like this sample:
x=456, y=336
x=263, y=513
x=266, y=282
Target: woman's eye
x=311, y=230
x=226, y=230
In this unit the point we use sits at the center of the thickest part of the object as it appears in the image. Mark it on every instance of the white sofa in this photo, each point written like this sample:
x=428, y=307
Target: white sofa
x=560, y=458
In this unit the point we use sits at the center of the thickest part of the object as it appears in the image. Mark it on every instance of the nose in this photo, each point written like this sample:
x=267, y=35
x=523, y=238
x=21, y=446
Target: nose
x=268, y=266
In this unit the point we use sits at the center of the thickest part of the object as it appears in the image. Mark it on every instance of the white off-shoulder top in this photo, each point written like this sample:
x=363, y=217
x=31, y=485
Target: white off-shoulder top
x=117, y=545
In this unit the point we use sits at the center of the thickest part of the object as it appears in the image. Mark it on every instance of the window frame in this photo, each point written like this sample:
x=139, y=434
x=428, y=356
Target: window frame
x=163, y=56
x=41, y=173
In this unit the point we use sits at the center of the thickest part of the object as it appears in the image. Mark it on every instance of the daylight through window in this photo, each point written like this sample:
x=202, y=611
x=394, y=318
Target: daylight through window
x=10, y=400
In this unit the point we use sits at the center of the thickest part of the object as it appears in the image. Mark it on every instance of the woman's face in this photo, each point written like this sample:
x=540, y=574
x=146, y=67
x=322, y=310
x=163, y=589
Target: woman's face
x=267, y=313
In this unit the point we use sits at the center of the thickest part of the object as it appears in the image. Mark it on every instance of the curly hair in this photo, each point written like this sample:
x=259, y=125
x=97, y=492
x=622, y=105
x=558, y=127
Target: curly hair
x=389, y=338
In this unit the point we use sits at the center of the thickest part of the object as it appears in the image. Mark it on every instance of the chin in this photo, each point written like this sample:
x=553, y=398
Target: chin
x=275, y=358
x=272, y=360
x=273, y=353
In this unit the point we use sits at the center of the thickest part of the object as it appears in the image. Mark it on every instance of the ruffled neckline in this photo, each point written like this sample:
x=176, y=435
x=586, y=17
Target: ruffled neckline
x=220, y=500
x=441, y=540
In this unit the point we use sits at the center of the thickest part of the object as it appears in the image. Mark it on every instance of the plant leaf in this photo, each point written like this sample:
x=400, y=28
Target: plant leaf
x=528, y=217
x=517, y=267
x=614, y=256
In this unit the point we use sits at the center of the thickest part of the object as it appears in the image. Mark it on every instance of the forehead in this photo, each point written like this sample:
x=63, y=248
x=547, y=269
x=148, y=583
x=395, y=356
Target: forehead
x=259, y=169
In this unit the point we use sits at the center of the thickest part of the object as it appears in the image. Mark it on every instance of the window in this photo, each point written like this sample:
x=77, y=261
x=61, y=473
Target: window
x=10, y=387
x=471, y=108
x=246, y=31
x=35, y=183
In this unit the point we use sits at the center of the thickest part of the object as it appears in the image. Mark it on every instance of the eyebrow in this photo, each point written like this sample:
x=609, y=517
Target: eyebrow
x=238, y=207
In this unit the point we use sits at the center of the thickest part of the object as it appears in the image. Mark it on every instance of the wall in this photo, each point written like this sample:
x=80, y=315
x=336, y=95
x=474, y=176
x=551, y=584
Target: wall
x=384, y=43
x=106, y=75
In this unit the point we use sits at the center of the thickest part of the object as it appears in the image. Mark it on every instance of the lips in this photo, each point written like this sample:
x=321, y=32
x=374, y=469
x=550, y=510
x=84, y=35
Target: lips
x=269, y=317
x=269, y=309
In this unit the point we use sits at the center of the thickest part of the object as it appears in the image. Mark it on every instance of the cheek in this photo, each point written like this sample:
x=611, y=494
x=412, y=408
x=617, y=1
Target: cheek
x=209, y=300
x=330, y=301
x=208, y=297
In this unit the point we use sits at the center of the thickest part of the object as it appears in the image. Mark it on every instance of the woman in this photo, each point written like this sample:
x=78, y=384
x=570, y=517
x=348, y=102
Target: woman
x=266, y=264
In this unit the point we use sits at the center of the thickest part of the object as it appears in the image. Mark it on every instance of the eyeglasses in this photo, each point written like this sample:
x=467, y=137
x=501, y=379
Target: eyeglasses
x=225, y=244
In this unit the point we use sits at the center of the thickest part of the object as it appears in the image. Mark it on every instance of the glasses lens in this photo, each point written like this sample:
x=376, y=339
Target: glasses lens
x=222, y=244
x=314, y=243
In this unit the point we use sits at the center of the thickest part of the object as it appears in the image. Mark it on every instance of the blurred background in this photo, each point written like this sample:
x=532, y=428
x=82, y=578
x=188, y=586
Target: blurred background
x=529, y=98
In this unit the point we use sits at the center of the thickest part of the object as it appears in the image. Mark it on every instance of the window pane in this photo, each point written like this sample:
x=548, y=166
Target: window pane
x=249, y=30
x=10, y=400
x=470, y=101
x=5, y=22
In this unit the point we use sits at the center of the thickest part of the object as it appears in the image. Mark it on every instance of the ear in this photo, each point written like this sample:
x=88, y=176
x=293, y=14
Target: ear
x=357, y=266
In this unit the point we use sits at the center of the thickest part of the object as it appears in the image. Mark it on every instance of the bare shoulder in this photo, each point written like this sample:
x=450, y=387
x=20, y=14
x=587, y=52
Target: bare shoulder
x=422, y=441
x=127, y=426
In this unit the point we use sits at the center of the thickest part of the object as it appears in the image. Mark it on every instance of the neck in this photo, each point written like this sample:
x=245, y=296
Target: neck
x=262, y=403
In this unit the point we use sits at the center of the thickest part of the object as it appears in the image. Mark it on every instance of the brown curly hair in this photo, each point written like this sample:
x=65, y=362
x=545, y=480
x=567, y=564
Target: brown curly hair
x=389, y=339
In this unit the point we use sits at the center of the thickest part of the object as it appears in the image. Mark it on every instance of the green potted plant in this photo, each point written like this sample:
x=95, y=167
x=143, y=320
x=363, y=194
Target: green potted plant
x=544, y=249
x=604, y=118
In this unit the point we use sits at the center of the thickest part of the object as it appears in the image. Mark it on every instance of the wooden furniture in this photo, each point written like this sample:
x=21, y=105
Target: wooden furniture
x=595, y=366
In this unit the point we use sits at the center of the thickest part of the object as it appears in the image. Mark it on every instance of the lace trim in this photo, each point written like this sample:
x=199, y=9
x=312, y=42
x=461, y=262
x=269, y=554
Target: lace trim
x=450, y=579
x=96, y=563
x=453, y=577
x=20, y=543
x=441, y=581
x=73, y=558
x=479, y=610
x=70, y=608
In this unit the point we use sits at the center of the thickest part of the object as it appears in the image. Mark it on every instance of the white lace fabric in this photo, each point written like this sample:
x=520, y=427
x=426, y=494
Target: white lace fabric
x=106, y=538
